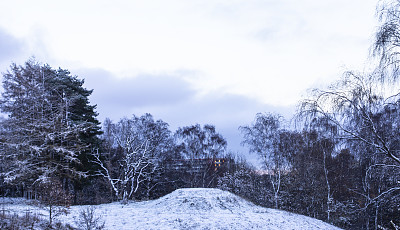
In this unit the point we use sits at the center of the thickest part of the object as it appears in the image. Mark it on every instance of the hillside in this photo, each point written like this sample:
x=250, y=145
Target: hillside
x=193, y=209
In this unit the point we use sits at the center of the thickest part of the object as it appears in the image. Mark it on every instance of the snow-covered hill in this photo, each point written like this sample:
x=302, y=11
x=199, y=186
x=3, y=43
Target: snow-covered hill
x=195, y=208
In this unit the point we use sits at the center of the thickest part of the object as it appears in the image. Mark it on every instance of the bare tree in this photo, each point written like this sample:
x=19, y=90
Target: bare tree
x=352, y=105
x=132, y=171
x=367, y=120
x=54, y=198
x=135, y=148
x=264, y=138
x=90, y=220
x=325, y=142
x=199, y=147
x=387, y=39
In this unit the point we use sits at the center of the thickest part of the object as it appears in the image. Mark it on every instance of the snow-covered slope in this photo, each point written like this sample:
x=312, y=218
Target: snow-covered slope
x=197, y=209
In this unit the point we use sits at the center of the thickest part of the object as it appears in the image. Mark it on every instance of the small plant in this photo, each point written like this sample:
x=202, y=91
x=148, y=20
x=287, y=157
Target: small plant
x=54, y=198
x=15, y=221
x=88, y=220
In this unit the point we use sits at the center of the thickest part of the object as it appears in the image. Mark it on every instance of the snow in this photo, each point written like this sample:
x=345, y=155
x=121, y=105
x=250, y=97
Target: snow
x=193, y=208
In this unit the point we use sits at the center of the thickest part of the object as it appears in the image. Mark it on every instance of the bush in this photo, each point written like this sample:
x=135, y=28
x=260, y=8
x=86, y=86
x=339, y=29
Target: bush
x=88, y=220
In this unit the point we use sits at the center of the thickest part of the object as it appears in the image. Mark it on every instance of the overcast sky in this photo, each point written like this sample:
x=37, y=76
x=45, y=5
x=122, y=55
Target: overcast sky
x=192, y=61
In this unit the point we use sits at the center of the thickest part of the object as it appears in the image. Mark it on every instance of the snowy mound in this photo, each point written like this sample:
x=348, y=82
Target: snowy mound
x=201, y=200
x=190, y=209
x=200, y=208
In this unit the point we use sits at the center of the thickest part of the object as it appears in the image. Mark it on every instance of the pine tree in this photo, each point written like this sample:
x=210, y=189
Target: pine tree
x=50, y=125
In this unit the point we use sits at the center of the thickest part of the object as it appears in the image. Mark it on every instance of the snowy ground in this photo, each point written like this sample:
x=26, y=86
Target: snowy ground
x=185, y=209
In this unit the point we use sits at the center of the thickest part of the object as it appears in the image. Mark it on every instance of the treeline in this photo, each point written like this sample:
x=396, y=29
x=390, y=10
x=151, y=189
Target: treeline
x=323, y=170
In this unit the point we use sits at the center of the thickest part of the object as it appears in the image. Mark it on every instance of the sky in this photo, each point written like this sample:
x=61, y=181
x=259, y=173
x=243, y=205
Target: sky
x=200, y=61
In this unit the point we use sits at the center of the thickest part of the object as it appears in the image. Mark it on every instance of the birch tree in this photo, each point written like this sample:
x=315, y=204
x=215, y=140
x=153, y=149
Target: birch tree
x=200, y=145
x=387, y=40
x=200, y=142
x=263, y=138
x=367, y=119
x=352, y=105
x=135, y=147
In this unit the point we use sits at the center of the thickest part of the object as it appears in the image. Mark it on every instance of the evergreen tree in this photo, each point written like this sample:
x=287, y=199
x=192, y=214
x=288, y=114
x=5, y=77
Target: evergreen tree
x=50, y=125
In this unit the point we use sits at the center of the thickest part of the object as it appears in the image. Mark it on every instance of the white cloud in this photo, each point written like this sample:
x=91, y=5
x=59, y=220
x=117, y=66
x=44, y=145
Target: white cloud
x=271, y=50
x=228, y=59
